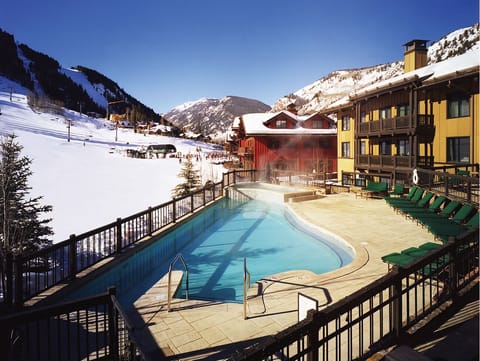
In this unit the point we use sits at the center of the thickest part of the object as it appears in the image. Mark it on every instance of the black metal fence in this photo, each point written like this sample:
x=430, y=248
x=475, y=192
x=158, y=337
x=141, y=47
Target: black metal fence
x=88, y=329
x=377, y=316
x=453, y=184
x=459, y=182
x=306, y=179
x=29, y=275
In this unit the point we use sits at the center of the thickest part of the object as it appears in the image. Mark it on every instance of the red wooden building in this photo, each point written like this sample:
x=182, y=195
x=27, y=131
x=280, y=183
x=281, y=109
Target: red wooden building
x=285, y=141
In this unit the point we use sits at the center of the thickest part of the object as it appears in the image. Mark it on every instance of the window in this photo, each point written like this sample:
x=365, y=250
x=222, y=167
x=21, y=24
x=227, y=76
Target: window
x=345, y=149
x=317, y=124
x=363, y=117
x=458, y=106
x=402, y=147
x=385, y=148
x=273, y=144
x=309, y=143
x=385, y=113
x=402, y=110
x=363, y=147
x=345, y=122
x=281, y=124
x=458, y=149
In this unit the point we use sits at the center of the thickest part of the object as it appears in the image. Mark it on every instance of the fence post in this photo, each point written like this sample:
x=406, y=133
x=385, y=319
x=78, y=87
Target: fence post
x=174, y=210
x=203, y=193
x=72, y=256
x=18, y=270
x=119, y=235
x=191, y=202
x=312, y=337
x=452, y=268
x=112, y=325
x=397, y=303
x=8, y=292
x=149, y=221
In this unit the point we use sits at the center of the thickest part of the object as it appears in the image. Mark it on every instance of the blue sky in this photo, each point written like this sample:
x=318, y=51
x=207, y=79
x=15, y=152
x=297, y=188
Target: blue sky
x=167, y=52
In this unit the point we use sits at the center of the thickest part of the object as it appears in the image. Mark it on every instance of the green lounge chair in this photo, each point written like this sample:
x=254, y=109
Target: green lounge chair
x=399, y=202
x=428, y=220
x=416, y=252
x=434, y=207
x=430, y=246
x=446, y=230
x=422, y=203
x=398, y=190
x=410, y=194
x=463, y=213
x=397, y=259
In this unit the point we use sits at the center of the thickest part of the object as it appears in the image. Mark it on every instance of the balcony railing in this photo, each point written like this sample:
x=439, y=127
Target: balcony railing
x=391, y=161
x=390, y=125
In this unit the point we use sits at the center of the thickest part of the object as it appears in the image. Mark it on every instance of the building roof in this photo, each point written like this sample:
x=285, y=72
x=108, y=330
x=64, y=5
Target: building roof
x=254, y=124
x=464, y=64
x=450, y=68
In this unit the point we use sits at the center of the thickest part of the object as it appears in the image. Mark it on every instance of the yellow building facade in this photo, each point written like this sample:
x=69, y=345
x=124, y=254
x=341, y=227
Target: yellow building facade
x=427, y=117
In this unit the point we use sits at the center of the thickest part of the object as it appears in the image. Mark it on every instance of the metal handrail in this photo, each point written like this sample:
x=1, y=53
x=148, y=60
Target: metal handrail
x=170, y=269
x=246, y=279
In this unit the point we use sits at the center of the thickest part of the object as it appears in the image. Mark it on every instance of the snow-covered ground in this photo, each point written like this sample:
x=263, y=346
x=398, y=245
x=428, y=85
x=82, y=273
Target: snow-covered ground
x=90, y=181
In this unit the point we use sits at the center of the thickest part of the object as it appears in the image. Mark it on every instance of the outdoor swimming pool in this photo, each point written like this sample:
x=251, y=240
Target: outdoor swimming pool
x=214, y=244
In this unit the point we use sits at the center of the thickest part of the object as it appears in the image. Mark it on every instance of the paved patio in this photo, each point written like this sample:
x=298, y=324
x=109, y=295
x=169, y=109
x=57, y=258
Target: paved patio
x=196, y=330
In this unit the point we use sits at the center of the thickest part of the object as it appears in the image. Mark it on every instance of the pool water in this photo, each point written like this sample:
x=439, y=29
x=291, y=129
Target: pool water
x=214, y=244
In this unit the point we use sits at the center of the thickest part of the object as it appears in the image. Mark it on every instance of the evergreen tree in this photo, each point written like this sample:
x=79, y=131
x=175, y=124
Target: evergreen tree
x=21, y=228
x=191, y=179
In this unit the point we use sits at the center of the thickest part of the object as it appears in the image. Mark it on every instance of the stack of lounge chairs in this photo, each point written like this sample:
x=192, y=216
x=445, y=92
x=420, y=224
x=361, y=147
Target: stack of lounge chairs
x=443, y=217
x=373, y=190
x=409, y=255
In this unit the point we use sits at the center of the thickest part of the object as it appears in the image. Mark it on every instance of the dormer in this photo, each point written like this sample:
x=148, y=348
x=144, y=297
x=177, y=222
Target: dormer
x=318, y=121
x=281, y=121
x=415, y=55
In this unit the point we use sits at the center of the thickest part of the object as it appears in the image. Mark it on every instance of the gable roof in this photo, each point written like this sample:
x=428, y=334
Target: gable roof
x=255, y=124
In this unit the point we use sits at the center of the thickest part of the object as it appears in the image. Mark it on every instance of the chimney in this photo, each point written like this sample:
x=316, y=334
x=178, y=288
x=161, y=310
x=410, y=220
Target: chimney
x=415, y=55
x=292, y=108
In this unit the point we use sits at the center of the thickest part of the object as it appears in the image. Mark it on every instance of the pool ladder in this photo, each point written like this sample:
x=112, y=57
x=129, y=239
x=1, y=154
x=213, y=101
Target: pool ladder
x=170, y=269
x=246, y=286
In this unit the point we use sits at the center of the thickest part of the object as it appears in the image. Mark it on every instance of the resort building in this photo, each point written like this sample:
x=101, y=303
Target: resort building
x=427, y=117
x=285, y=141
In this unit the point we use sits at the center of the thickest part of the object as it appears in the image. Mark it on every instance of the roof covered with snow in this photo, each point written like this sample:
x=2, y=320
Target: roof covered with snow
x=452, y=67
x=255, y=124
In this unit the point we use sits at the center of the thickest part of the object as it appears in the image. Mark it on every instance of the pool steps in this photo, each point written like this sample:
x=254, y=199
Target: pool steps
x=303, y=196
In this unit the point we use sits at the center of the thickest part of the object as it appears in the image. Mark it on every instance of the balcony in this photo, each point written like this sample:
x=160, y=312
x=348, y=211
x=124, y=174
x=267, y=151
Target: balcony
x=422, y=123
x=391, y=162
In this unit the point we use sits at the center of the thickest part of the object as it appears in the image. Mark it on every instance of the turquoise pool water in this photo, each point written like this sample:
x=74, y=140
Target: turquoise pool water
x=214, y=244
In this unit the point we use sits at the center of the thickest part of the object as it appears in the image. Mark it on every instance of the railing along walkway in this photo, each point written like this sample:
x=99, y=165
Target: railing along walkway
x=379, y=315
x=29, y=275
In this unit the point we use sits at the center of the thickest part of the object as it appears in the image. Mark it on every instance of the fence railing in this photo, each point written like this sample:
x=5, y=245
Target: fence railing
x=27, y=276
x=446, y=180
x=377, y=316
x=307, y=179
x=465, y=188
x=88, y=329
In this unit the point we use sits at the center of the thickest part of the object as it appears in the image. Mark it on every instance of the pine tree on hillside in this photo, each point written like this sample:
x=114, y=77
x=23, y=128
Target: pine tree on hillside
x=191, y=179
x=21, y=228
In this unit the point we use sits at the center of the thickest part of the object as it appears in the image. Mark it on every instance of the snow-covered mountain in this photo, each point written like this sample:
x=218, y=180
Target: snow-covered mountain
x=212, y=116
x=81, y=165
x=339, y=84
x=79, y=88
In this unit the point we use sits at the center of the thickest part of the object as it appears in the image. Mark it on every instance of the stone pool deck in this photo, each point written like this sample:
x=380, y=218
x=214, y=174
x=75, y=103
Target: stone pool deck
x=196, y=330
